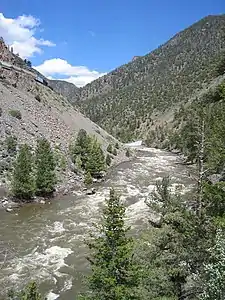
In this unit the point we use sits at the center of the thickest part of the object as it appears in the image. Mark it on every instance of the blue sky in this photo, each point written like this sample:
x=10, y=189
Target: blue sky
x=96, y=34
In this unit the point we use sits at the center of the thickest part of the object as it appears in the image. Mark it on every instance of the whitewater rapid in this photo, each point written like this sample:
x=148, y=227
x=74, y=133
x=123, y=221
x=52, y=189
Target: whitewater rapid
x=46, y=242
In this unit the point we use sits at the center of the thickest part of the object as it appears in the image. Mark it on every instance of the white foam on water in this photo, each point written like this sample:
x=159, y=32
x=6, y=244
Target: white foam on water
x=40, y=265
x=52, y=296
x=132, y=190
x=67, y=285
x=57, y=227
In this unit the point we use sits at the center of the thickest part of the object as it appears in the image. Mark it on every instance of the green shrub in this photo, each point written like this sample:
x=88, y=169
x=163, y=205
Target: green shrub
x=117, y=145
x=63, y=163
x=128, y=153
x=30, y=292
x=114, y=152
x=108, y=160
x=11, y=144
x=0, y=111
x=15, y=113
x=110, y=148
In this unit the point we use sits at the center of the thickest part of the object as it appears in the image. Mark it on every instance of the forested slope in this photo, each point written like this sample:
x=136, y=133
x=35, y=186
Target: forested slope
x=128, y=101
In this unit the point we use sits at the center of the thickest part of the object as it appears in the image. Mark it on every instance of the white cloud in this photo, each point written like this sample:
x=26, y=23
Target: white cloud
x=19, y=34
x=78, y=75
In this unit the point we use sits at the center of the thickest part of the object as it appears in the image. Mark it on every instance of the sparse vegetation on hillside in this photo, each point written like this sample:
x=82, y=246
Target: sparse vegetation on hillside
x=11, y=144
x=15, y=113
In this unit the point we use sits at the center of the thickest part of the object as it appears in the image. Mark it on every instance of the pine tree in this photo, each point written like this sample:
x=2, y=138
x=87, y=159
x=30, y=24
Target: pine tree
x=78, y=163
x=88, y=178
x=96, y=159
x=170, y=247
x=45, y=168
x=22, y=180
x=29, y=293
x=114, y=275
x=81, y=147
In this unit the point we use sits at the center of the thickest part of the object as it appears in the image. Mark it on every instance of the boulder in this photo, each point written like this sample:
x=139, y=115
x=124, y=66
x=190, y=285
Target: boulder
x=65, y=192
x=9, y=209
x=214, y=178
x=91, y=191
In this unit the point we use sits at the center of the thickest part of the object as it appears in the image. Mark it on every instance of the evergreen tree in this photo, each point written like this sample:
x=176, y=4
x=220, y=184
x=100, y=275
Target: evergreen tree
x=81, y=147
x=114, y=275
x=96, y=159
x=29, y=293
x=78, y=163
x=169, y=249
x=88, y=178
x=108, y=160
x=22, y=179
x=45, y=168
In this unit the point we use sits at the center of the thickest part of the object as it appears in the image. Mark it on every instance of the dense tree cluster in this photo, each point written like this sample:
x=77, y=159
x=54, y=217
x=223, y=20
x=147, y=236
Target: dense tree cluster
x=34, y=174
x=185, y=137
x=87, y=154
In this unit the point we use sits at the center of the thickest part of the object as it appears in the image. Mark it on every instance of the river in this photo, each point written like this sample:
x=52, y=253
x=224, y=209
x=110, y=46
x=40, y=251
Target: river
x=46, y=242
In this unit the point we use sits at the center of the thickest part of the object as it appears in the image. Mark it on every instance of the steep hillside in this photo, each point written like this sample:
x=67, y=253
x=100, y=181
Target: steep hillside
x=128, y=101
x=30, y=110
x=67, y=89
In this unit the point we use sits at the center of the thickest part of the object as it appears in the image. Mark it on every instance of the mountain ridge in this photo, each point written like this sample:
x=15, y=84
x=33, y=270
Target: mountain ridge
x=126, y=101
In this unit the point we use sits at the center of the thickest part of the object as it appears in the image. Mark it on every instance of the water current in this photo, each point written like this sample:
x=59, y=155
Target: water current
x=46, y=242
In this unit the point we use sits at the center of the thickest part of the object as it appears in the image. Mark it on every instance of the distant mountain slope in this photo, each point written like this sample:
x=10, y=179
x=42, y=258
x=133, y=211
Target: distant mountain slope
x=67, y=89
x=128, y=101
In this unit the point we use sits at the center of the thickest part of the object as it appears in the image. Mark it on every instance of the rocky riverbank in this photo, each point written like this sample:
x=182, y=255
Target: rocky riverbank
x=69, y=181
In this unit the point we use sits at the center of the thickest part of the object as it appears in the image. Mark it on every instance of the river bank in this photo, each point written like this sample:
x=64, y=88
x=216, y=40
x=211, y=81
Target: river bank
x=68, y=182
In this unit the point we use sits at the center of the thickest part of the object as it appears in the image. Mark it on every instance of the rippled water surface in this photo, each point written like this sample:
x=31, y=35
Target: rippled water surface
x=46, y=242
